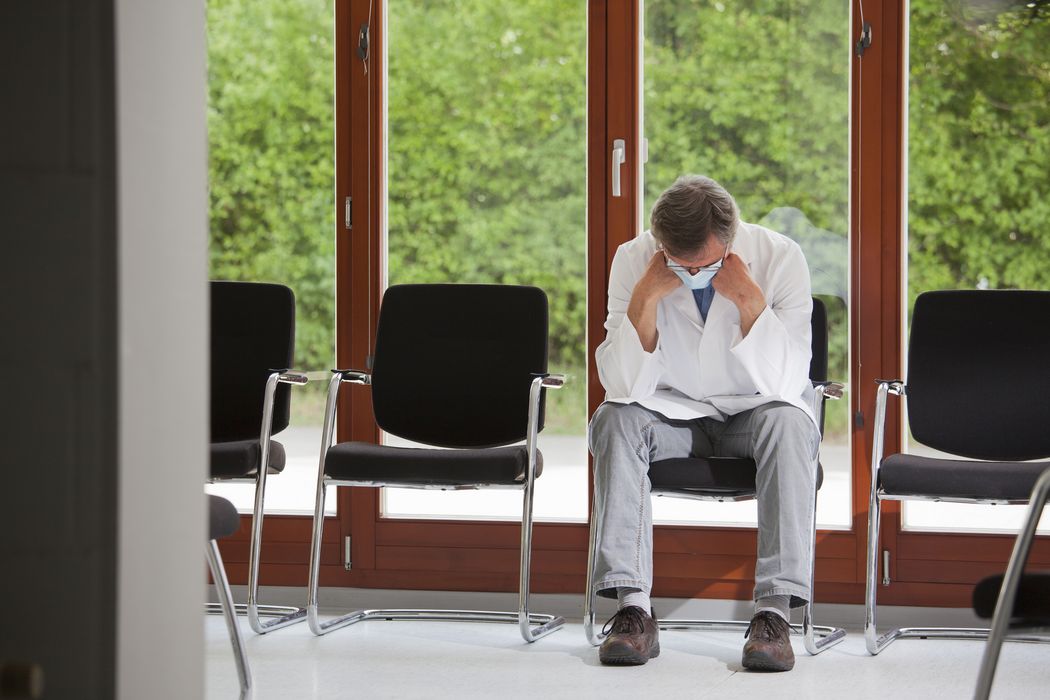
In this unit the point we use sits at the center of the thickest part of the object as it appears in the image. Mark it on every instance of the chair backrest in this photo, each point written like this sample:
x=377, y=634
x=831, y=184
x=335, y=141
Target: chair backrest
x=979, y=373
x=818, y=363
x=454, y=362
x=252, y=334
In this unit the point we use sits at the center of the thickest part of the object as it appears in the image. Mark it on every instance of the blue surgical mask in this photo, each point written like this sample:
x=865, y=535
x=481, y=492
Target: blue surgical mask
x=700, y=280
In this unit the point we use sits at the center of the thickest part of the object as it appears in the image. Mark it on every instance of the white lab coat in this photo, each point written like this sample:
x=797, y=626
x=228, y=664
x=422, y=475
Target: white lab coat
x=703, y=369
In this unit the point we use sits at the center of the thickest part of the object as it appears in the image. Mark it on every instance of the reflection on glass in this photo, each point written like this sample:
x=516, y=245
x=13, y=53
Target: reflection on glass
x=756, y=95
x=486, y=183
x=271, y=174
x=978, y=189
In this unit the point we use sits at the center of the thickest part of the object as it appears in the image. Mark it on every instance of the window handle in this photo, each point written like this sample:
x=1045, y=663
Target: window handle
x=619, y=156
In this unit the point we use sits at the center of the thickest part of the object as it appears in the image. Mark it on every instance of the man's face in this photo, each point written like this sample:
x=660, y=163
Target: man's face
x=711, y=254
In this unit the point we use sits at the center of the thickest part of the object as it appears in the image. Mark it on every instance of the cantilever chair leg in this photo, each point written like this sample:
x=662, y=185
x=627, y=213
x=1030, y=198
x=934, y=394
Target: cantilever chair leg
x=222, y=588
x=875, y=642
x=531, y=625
x=283, y=615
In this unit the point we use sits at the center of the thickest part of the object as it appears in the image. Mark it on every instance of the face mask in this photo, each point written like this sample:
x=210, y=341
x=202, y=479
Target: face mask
x=702, y=278
x=698, y=281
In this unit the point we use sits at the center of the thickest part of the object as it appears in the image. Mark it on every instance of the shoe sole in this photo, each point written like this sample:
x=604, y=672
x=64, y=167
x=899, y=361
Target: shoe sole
x=758, y=661
x=626, y=657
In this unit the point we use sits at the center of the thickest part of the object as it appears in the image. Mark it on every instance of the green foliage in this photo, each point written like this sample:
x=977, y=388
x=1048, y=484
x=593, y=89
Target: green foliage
x=487, y=160
x=979, y=146
x=487, y=139
x=271, y=159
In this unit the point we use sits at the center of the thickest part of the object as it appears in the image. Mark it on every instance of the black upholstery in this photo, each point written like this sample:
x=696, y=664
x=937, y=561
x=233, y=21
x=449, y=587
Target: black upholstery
x=252, y=334
x=979, y=373
x=454, y=362
x=363, y=461
x=722, y=477
x=709, y=476
x=1031, y=606
x=911, y=475
x=222, y=518
x=230, y=460
x=818, y=361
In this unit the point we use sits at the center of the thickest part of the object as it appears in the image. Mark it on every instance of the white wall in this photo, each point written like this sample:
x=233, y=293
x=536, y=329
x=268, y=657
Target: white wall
x=162, y=215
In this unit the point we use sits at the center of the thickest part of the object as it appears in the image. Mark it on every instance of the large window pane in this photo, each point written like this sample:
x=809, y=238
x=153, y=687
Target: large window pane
x=486, y=183
x=271, y=183
x=756, y=95
x=978, y=188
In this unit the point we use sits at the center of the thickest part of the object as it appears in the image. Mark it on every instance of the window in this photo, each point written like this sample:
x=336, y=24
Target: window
x=978, y=192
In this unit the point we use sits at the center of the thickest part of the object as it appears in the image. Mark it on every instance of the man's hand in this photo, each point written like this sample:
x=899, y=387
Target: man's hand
x=657, y=282
x=735, y=283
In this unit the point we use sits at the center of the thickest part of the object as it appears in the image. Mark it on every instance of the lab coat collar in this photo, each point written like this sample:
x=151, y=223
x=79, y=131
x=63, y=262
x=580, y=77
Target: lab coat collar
x=683, y=301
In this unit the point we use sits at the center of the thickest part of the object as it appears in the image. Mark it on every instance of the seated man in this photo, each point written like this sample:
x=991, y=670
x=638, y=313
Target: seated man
x=706, y=353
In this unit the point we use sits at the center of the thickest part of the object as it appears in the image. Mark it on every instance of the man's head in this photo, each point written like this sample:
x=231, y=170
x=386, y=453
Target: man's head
x=694, y=218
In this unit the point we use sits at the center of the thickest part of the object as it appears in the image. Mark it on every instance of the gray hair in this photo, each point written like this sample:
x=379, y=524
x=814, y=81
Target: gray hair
x=689, y=211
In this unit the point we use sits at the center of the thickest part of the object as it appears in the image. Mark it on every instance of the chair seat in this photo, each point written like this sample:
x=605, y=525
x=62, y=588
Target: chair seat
x=1031, y=606
x=911, y=475
x=222, y=518
x=411, y=466
x=231, y=460
x=714, y=476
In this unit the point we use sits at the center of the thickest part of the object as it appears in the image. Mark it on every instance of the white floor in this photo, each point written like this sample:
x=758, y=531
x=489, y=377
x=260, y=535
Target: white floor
x=463, y=660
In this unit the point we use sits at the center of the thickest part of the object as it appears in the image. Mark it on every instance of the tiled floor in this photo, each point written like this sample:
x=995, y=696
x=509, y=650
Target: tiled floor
x=461, y=660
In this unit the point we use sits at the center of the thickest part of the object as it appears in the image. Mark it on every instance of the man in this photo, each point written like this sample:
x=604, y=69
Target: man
x=706, y=353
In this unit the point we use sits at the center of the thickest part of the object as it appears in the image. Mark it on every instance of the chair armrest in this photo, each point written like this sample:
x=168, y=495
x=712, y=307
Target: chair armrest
x=554, y=381
x=830, y=390
x=353, y=376
x=296, y=378
x=893, y=386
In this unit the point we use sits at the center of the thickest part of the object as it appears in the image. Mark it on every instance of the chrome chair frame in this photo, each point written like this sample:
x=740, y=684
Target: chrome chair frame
x=226, y=607
x=282, y=615
x=1008, y=593
x=531, y=625
x=875, y=642
x=815, y=637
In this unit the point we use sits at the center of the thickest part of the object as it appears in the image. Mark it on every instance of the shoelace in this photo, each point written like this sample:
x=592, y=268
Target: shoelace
x=768, y=627
x=630, y=620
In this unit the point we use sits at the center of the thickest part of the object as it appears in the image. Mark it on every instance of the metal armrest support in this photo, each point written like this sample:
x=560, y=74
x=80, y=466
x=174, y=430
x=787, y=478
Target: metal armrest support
x=872, y=640
x=284, y=616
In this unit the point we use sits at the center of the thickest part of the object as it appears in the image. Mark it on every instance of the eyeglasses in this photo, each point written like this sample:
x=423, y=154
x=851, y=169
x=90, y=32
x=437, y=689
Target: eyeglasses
x=696, y=270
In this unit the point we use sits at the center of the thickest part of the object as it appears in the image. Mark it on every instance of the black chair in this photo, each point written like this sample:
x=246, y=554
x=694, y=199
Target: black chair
x=1017, y=601
x=730, y=480
x=252, y=343
x=456, y=366
x=222, y=522
x=978, y=380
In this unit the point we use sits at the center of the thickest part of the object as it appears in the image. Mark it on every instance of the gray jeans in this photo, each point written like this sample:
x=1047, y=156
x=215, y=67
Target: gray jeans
x=626, y=438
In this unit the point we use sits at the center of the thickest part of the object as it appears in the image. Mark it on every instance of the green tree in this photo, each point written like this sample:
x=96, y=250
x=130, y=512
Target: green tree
x=979, y=146
x=271, y=171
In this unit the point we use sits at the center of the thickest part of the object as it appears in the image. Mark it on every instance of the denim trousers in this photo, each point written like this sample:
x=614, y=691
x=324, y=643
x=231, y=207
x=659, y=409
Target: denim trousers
x=782, y=440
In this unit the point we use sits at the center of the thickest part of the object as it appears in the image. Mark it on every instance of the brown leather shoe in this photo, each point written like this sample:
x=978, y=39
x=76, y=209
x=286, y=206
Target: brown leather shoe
x=769, y=646
x=633, y=639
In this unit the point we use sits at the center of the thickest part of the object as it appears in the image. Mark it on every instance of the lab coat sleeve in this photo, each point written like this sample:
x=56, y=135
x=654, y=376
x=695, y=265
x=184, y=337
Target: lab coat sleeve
x=626, y=370
x=777, y=350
